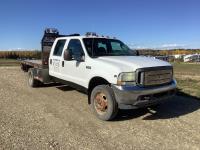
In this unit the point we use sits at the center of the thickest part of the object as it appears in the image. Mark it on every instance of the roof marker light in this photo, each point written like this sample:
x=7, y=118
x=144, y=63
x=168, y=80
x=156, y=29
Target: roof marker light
x=91, y=34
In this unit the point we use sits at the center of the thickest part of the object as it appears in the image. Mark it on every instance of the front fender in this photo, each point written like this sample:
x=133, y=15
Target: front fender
x=110, y=77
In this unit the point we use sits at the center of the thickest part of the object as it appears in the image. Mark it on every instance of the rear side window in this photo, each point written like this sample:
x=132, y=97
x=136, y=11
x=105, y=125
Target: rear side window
x=59, y=48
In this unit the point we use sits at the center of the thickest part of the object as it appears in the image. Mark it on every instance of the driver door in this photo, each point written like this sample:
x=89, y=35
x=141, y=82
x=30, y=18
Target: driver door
x=73, y=70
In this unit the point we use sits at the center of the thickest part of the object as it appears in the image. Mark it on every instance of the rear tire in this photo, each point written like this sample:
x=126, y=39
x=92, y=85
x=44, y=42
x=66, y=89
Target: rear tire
x=103, y=102
x=31, y=81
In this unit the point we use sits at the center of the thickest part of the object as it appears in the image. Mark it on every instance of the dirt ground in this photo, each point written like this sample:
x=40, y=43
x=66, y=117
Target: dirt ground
x=58, y=117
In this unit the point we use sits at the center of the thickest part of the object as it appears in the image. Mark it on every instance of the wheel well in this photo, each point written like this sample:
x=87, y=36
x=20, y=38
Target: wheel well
x=95, y=82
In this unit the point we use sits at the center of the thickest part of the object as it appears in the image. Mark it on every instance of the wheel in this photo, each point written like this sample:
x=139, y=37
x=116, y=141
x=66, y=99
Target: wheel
x=103, y=102
x=31, y=81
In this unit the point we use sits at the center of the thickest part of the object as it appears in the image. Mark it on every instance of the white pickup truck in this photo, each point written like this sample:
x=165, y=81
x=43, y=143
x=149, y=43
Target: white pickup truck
x=112, y=75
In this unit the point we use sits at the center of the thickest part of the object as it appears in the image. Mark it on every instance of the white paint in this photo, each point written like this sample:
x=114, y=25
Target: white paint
x=106, y=67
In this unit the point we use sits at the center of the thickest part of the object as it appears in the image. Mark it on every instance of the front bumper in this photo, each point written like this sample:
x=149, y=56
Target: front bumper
x=135, y=96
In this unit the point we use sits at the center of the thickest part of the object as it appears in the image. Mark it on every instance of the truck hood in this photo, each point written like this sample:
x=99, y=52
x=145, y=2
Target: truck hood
x=131, y=63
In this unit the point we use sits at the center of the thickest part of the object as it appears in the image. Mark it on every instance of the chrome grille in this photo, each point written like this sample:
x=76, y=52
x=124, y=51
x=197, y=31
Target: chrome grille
x=156, y=77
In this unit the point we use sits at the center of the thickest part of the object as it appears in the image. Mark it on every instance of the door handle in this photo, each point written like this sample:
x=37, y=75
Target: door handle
x=63, y=63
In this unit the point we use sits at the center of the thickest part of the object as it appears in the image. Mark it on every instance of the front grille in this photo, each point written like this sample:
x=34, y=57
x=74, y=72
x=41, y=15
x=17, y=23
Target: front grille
x=155, y=76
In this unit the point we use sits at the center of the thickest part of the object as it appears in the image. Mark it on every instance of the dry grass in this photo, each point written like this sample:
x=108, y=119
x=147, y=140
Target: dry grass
x=188, y=78
x=186, y=69
x=9, y=62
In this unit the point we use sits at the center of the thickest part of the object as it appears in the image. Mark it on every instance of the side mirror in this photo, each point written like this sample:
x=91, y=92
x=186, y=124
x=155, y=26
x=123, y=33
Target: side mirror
x=67, y=55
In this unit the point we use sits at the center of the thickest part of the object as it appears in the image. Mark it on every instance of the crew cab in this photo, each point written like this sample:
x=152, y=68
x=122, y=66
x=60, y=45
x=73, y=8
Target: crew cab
x=112, y=74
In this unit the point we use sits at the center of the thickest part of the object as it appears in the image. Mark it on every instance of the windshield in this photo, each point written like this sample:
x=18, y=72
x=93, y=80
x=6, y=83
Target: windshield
x=107, y=47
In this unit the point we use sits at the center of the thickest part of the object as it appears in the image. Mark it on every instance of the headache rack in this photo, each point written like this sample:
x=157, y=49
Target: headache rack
x=154, y=76
x=50, y=34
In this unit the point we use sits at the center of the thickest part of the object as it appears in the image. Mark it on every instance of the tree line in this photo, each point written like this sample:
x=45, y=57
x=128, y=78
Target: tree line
x=150, y=52
x=20, y=54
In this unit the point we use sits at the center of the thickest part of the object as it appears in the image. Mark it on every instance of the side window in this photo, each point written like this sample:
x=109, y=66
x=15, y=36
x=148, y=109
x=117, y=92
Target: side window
x=101, y=48
x=116, y=46
x=102, y=45
x=59, y=47
x=88, y=45
x=75, y=47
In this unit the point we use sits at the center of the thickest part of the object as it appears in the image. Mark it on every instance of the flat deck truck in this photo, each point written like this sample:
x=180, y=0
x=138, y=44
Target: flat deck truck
x=113, y=76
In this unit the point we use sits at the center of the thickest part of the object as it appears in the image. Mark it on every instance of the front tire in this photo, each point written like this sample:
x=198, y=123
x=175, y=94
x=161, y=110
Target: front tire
x=103, y=102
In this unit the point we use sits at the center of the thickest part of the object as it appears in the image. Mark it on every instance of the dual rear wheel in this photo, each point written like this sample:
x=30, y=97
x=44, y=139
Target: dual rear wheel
x=32, y=82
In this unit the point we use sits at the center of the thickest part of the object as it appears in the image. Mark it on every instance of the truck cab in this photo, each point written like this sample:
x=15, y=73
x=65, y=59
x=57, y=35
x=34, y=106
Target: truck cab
x=112, y=74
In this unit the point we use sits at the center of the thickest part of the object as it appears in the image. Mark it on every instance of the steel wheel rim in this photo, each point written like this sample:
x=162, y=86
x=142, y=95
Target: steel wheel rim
x=101, y=103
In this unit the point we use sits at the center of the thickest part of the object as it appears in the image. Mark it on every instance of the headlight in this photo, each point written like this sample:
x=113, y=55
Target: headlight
x=126, y=78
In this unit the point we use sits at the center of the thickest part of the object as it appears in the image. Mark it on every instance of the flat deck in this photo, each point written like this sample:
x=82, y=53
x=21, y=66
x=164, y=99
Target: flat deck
x=34, y=63
x=39, y=62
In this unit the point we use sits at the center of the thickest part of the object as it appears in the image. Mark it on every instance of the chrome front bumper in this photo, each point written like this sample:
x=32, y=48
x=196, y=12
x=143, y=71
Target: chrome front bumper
x=135, y=96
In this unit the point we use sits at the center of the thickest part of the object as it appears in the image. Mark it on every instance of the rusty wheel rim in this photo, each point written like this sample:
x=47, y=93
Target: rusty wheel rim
x=101, y=103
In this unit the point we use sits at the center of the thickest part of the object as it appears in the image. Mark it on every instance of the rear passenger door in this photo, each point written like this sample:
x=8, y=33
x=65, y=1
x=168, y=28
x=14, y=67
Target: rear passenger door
x=55, y=61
